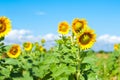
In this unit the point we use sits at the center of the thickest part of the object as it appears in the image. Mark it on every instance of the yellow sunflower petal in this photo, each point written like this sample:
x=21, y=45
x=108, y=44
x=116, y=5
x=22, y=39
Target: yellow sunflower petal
x=27, y=46
x=14, y=51
x=5, y=26
x=63, y=28
x=78, y=25
x=116, y=46
x=86, y=39
x=42, y=49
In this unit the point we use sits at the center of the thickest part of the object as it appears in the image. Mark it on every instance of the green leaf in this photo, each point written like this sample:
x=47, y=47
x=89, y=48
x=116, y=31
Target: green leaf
x=26, y=76
x=5, y=72
x=60, y=70
x=49, y=59
x=1, y=43
x=41, y=71
x=70, y=70
x=11, y=61
x=1, y=39
x=2, y=77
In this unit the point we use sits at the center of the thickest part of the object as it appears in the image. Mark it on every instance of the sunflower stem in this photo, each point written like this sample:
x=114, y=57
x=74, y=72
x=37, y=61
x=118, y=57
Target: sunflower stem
x=78, y=65
x=119, y=64
x=72, y=40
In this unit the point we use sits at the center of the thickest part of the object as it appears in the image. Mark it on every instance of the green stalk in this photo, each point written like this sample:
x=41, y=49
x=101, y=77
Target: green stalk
x=119, y=65
x=72, y=40
x=78, y=66
x=77, y=75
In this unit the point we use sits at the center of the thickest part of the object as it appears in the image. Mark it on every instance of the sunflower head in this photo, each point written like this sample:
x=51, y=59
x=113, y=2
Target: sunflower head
x=51, y=49
x=86, y=39
x=27, y=46
x=116, y=47
x=41, y=48
x=43, y=41
x=63, y=28
x=14, y=51
x=5, y=26
x=78, y=25
x=36, y=44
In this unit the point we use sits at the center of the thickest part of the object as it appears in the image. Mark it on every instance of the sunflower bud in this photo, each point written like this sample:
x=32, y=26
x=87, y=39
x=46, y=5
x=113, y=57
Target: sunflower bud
x=43, y=41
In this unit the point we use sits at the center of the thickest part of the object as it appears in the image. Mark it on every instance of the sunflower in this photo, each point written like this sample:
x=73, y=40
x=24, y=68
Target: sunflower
x=43, y=41
x=116, y=46
x=86, y=39
x=78, y=25
x=27, y=46
x=63, y=28
x=5, y=26
x=42, y=49
x=14, y=51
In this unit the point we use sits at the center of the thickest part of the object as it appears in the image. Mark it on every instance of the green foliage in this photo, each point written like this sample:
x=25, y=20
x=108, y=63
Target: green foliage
x=65, y=61
x=2, y=46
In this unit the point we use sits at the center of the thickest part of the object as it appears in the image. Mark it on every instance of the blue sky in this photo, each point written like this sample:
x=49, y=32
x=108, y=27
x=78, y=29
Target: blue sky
x=41, y=17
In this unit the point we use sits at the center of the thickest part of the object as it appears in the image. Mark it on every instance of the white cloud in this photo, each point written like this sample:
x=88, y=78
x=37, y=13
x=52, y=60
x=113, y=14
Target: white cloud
x=20, y=36
x=104, y=42
x=50, y=37
x=109, y=39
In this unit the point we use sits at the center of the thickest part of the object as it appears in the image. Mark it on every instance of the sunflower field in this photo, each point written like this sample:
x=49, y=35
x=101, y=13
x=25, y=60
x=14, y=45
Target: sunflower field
x=70, y=59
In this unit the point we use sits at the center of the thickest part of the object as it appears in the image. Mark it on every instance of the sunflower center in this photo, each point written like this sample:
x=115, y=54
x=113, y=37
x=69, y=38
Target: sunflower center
x=85, y=39
x=13, y=51
x=63, y=28
x=2, y=28
x=41, y=48
x=78, y=26
x=116, y=47
x=0, y=25
x=26, y=45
